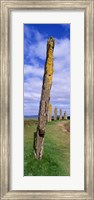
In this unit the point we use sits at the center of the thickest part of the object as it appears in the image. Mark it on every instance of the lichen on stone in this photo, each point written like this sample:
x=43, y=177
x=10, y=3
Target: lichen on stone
x=49, y=63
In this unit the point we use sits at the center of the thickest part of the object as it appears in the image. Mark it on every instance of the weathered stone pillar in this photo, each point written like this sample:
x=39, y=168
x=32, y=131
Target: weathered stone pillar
x=44, y=102
x=50, y=113
x=55, y=114
x=65, y=115
x=60, y=116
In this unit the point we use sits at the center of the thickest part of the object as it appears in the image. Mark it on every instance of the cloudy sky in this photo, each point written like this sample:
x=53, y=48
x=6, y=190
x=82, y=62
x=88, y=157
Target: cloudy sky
x=35, y=40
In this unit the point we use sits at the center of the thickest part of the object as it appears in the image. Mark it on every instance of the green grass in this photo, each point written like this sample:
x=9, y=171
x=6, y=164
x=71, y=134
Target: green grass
x=56, y=158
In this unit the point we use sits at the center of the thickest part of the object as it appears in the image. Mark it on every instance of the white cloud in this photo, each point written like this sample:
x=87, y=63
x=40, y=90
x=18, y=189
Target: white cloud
x=33, y=70
x=62, y=48
x=38, y=49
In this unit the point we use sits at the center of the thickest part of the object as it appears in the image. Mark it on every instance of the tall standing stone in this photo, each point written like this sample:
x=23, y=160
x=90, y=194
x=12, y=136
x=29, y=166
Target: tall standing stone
x=44, y=102
x=60, y=116
x=65, y=115
x=55, y=114
x=50, y=113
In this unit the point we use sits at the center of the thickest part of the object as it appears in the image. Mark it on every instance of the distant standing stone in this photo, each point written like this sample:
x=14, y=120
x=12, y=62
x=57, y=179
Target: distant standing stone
x=50, y=113
x=60, y=116
x=55, y=114
x=65, y=115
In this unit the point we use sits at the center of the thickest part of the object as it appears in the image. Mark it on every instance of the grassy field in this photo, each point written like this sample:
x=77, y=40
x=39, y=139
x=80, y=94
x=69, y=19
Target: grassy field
x=56, y=158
